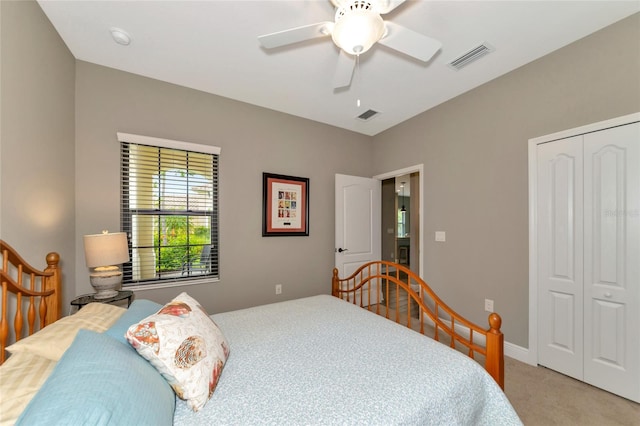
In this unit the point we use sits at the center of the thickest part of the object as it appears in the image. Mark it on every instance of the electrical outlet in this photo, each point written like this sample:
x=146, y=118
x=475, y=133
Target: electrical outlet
x=278, y=288
x=488, y=305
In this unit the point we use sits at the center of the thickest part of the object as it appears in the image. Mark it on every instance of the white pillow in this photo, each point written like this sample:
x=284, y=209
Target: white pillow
x=184, y=344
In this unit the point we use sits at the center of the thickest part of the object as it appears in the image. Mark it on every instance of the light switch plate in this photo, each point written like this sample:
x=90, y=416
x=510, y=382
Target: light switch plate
x=488, y=305
x=441, y=236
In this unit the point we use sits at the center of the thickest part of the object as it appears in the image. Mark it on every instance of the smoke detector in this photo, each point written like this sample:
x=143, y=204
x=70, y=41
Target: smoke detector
x=120, y=36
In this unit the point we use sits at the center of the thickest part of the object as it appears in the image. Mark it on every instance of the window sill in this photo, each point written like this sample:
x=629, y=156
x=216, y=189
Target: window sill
x=165, y=284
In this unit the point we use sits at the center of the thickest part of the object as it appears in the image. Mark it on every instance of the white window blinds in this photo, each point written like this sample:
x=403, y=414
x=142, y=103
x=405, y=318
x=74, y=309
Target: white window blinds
x=169, y=209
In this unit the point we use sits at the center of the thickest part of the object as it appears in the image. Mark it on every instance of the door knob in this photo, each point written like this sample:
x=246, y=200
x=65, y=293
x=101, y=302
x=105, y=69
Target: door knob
x=340, y=250
x=608, y=295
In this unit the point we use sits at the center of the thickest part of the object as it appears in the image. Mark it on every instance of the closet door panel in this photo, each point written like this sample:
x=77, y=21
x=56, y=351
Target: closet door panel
x=560, y=269
x=612, y=258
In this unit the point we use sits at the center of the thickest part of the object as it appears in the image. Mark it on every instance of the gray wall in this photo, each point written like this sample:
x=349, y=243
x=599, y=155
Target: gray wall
x=253, y=140
x=474, y=150
x=36, y=138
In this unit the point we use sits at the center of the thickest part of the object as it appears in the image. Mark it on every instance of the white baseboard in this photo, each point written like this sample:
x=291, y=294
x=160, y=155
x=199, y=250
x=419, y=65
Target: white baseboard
x=518, y=353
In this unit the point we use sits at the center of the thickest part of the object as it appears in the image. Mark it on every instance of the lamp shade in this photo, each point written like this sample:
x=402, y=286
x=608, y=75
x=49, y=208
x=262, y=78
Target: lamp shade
x=357, y=31
x=106, y=249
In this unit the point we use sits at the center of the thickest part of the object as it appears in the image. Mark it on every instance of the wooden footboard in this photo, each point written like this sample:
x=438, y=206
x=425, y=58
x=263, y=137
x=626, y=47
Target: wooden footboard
x=394, y=291
x=31, y=296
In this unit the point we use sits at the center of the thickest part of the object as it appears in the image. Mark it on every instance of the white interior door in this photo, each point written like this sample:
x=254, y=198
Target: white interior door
x=612, y=259
x=560, y=268
x=358, y=222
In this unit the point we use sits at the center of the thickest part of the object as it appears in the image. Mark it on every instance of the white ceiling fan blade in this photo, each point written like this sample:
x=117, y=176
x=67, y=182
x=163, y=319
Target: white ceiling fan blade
x=295, y=35
x=344, y=70
x=409, y=42
x=386, y=6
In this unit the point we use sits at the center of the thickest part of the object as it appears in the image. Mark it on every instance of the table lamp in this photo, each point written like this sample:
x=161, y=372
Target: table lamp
x=103, y=252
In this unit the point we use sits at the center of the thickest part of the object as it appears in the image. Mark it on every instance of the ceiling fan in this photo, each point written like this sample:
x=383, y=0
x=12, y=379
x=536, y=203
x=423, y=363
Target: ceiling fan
x=358, y=26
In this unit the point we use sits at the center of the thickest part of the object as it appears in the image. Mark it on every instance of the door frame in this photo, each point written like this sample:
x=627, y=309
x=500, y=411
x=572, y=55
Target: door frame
x=532, y=355
x=418, y=168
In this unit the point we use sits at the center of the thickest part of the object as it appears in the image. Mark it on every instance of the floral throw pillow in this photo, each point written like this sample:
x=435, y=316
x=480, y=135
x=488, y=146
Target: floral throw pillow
x=184, y=344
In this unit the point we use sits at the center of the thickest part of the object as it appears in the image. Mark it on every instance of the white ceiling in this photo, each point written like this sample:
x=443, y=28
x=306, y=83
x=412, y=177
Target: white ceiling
x=212, y=46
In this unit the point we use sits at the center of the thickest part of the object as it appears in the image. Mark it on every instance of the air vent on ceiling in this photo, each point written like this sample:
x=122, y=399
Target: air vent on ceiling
x=470, y=56
x=368, y=115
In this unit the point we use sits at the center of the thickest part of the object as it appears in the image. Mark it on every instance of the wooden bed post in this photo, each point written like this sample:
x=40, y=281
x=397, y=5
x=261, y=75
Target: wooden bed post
x=53, y=282
x=494, y=363
x=4, y=326
x=334, y=283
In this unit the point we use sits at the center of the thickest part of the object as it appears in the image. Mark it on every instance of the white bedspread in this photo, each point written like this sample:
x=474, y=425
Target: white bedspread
x=322, y=361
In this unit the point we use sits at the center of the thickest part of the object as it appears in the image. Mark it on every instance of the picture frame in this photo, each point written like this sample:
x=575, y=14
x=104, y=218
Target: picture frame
x=285, y=205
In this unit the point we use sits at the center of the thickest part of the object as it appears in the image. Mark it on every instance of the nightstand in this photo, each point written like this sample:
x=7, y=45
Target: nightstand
x=85, y=299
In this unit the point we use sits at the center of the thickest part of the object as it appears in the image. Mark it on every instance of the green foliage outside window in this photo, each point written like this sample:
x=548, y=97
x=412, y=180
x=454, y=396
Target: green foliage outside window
x=179, y=241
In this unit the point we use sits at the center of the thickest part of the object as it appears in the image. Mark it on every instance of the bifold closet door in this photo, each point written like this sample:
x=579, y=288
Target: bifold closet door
x=612, y=260
x=560, y=261
x=588, y=210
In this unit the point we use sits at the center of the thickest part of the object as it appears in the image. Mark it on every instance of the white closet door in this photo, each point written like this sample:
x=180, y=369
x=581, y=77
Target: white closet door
x=560, y=261
x=612, y=259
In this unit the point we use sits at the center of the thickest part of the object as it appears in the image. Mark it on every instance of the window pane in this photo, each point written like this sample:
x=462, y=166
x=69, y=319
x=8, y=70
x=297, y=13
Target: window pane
x=169, y=210
x=401, y=223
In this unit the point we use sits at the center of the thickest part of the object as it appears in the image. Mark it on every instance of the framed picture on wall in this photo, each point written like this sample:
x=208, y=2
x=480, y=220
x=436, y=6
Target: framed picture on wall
x=285, y=205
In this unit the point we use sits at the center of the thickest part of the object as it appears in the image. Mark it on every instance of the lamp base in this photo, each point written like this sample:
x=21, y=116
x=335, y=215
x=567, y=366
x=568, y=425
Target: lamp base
x=106, y=284
x=105, y=294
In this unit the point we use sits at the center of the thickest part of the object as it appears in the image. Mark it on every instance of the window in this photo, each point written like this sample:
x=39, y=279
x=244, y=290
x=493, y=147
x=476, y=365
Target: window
x=403, y=215
x=169, y=210
x=402, y=230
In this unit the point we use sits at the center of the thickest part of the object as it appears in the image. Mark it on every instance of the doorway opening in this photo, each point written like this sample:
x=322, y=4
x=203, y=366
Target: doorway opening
x=402, y=217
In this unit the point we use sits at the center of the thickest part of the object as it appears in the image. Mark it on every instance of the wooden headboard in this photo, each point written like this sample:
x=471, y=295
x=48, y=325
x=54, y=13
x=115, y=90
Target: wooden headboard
x=32, y=296
x=399, y=294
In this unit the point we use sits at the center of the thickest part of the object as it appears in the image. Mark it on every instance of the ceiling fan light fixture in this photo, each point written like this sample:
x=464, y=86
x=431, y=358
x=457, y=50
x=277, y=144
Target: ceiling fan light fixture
x=356, y=31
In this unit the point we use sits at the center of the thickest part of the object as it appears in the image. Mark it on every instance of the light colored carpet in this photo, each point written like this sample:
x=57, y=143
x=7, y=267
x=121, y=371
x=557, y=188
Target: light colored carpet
x=544, y=397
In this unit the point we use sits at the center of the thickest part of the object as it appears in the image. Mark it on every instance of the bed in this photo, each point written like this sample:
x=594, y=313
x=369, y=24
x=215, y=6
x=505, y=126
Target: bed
x=316, y=360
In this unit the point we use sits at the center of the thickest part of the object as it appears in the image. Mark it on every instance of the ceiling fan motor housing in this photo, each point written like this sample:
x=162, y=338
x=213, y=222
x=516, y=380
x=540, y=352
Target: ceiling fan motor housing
x=357, y=27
